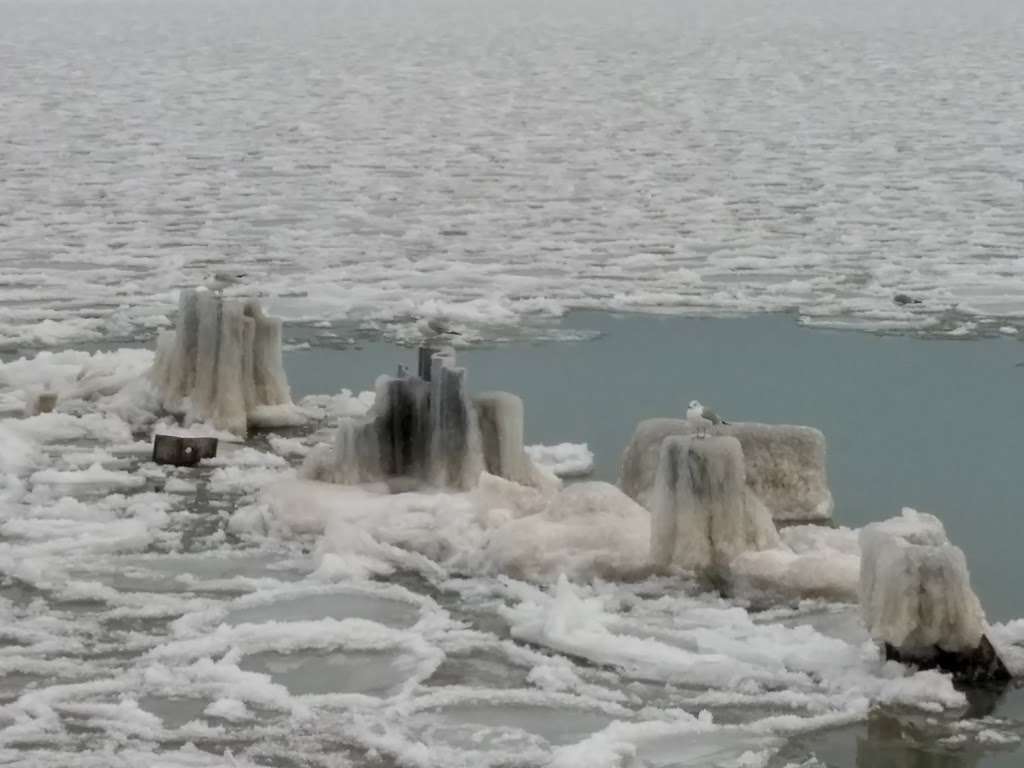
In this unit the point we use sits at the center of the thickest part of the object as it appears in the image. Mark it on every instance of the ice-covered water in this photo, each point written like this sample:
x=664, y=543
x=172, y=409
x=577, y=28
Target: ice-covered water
x=501, y=164
x=506, y=161
x=230, y=609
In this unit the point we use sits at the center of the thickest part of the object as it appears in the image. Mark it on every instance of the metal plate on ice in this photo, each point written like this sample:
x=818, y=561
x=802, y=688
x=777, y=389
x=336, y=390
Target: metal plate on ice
x=183, y=451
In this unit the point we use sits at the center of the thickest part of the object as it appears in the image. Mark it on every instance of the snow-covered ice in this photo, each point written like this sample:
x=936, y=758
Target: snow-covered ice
x=661, y=165
x=501, y=165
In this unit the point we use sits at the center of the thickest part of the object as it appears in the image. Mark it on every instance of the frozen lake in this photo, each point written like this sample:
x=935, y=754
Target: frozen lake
x=177, y=613
x=510, y=161
x=722, y=173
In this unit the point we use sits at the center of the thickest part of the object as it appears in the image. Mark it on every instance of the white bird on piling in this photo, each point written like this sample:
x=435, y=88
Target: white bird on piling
x=221, y=280
x=702, y=418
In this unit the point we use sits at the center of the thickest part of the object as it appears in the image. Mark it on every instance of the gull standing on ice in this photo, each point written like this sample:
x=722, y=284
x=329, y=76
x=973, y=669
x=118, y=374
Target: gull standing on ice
x=702, y=417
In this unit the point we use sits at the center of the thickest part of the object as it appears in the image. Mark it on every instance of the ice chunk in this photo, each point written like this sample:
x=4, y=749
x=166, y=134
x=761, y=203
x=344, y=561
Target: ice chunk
x=815, y=561
x=916, y=596
x=564, y=459
x=498, y=723
x=288, y=446
x=495, y=493
x=335, y=605
x=589, y=529
x=785, y=465
x=230, y=709
x=704, y=514
x=372, y=673
x=95, y=475
x=223, y=363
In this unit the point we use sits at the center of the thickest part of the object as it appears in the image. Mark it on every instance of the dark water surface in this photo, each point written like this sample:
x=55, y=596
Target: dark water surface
x=930, y=423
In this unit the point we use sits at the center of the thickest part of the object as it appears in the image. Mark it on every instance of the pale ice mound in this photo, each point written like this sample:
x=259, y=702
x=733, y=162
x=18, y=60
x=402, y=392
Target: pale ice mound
x=587, y=530
x=564, y=459
x=813, y=561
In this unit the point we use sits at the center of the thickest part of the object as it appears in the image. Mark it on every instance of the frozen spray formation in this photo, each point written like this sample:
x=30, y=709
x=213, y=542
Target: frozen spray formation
x=784, y=465
x=916, y=597
x=714, y=502
x=703, y=513
x=223, y=365
x=426, y=428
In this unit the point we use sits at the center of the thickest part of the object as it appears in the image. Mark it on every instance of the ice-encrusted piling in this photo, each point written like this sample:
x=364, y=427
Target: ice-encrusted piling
x=44, y=402
x=223, y=364
x=455, y=440
x=403, y=427
x=501, y=419
x=431, y=431
x=917, y=601
x=424, y=362
x=703, y=514
x=785, y=465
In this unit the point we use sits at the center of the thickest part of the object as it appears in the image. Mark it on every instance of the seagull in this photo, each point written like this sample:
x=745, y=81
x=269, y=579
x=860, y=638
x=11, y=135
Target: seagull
x=701, y=417
x=221, y=280
x=439, y=329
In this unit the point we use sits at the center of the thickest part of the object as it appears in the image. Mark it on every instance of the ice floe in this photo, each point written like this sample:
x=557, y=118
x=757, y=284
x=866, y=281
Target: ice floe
x=242, y=608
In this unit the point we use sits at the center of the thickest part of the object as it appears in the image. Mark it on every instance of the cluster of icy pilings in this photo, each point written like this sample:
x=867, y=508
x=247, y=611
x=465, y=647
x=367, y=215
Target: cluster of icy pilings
x=427, y=429
x=712, y=501
x=222, y=364
x=916, y=597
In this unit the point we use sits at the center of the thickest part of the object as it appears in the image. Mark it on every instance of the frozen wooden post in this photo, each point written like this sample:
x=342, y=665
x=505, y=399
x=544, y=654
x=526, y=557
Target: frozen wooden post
x=784, y=465
x=450, y=421
x=500, y=417
x=703, y=515
x=426, y=428
x=223, y=363
x=917, y=601
x=45, y=402
x=403, y=427
x=183, y=451
x=425, y=355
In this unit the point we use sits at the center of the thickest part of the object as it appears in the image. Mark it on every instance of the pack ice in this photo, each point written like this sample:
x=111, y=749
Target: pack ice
x=441, y=600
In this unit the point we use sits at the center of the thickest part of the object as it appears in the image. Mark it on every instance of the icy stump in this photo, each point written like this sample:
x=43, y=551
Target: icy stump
x=427, y=428
x=222, y=364
x=917, y=601
x=785, y=465
x=703, y=512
